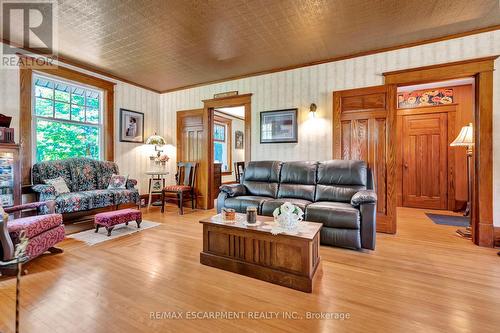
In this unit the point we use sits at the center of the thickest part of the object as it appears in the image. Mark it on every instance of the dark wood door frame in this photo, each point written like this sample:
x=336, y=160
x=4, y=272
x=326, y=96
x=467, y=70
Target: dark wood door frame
x=208, y=118
x=482, y=71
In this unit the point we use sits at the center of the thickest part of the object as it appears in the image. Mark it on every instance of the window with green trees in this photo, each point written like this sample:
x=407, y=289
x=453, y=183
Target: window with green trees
x=67, y=119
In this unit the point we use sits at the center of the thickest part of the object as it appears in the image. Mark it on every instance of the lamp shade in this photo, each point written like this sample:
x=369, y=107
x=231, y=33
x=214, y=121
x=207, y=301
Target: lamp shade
x=156, y=140
x=465, y=137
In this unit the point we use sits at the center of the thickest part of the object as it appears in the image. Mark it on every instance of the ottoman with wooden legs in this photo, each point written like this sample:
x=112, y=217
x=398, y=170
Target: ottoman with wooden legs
x=110, y=219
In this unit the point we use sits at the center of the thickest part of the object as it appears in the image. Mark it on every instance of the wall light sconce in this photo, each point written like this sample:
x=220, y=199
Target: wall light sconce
x=312, y=110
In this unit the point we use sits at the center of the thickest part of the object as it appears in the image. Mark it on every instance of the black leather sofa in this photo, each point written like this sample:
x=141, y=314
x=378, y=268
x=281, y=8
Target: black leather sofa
x=337, y=193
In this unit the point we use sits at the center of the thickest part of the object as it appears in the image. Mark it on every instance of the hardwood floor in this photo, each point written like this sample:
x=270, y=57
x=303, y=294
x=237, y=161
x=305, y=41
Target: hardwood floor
x=420, y=280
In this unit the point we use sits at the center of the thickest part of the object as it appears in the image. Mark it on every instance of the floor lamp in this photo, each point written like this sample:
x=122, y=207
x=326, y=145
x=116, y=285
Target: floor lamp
x=466, y=139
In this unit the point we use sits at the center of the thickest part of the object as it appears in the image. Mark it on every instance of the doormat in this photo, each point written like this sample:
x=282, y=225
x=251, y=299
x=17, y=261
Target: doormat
x=456, y=221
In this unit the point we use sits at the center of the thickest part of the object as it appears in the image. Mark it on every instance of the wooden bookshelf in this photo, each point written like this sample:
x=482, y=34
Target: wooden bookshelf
x=10, y=175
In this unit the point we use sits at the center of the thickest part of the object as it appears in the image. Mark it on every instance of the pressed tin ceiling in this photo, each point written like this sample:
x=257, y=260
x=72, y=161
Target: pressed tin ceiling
x=163, y=44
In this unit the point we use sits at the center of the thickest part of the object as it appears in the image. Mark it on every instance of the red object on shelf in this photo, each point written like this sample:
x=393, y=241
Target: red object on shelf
x=5, y=120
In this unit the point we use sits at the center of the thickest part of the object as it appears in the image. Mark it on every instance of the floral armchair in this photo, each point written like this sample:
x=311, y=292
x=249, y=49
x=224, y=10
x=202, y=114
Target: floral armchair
x=43, y=231
x=87, y=180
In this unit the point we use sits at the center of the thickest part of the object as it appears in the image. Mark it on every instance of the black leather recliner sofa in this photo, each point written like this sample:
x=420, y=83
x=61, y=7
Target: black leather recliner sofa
x=337, y=193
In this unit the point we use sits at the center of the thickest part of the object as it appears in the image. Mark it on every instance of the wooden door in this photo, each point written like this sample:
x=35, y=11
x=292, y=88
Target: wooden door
x=191, y=146
x=360, y=133
x=425, y=161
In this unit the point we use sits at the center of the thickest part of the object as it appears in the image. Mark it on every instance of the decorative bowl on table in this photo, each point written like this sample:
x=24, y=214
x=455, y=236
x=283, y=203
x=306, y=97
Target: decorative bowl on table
x=219, y=218
x=228, y=214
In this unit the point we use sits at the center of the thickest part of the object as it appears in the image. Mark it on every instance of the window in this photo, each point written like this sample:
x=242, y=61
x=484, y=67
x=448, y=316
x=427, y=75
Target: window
x=221, y=145
x=220, y=132
x=67, y=120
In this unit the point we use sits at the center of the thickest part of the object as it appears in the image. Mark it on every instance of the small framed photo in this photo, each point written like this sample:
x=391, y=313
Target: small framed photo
x=131, y=126
x=157, y=185
x=278, y=126
x=238, y=138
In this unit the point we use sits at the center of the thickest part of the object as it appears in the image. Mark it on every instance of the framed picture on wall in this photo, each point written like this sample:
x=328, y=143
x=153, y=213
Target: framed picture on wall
x=238, y=140
x=131, y=126
x=279, y=126
x=429, y=97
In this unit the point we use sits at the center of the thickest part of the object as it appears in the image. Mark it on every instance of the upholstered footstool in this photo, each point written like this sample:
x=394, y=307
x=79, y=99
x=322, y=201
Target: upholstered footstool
x=110, y=219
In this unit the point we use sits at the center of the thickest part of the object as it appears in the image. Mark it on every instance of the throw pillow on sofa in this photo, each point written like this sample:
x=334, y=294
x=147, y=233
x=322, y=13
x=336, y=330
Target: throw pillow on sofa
x=117, y=182
x=59, y=184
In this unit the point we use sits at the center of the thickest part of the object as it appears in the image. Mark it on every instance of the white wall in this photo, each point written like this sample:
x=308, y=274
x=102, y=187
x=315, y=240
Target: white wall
x=131, y=158
x=238, y=154
x=315, y=84
x=9, y=96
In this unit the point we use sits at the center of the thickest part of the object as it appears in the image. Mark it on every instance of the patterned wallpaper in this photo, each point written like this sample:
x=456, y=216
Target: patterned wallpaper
x=132, y=158
x=315, y=84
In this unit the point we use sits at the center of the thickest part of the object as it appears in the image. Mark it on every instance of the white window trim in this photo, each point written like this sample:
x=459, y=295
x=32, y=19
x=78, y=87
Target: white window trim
x=34, y=117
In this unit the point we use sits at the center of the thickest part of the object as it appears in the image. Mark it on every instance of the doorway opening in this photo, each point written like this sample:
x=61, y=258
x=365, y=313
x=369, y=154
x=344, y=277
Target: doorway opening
x=435, y=170
x=229, y=141
x=229, y=151
x=365, y=127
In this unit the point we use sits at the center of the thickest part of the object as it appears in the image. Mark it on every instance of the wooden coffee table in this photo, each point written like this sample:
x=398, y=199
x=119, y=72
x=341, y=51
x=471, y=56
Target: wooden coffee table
x=284, y=259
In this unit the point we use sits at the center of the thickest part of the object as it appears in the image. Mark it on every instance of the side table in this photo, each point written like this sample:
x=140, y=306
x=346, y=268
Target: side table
x=156, y=184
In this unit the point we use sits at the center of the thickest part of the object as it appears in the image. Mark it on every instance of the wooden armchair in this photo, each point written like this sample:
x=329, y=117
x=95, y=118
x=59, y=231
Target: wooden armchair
x=185, y=179
x=239, y=168
x=43, y=231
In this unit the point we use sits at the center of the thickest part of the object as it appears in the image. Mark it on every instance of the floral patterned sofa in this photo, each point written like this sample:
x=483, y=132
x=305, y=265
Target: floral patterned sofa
x=88, y=182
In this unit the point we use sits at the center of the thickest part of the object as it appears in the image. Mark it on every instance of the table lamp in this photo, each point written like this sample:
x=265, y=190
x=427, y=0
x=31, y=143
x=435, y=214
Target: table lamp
x=158, y=141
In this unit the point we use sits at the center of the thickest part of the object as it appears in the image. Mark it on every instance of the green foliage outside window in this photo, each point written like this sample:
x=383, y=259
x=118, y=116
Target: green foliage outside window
x=57, y=140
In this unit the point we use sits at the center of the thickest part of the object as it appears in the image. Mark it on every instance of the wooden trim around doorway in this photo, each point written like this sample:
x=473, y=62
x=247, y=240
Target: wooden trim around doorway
x=496, y=231
x=482, y=70
x=208, y=115
x=440, y=72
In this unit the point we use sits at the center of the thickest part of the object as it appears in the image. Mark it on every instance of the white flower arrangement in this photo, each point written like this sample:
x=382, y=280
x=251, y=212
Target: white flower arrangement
x=288, y=217
x=288, y=209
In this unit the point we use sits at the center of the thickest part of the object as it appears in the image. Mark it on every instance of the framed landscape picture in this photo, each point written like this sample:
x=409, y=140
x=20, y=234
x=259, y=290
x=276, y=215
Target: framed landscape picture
x=278, y=126
x=131, y=126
